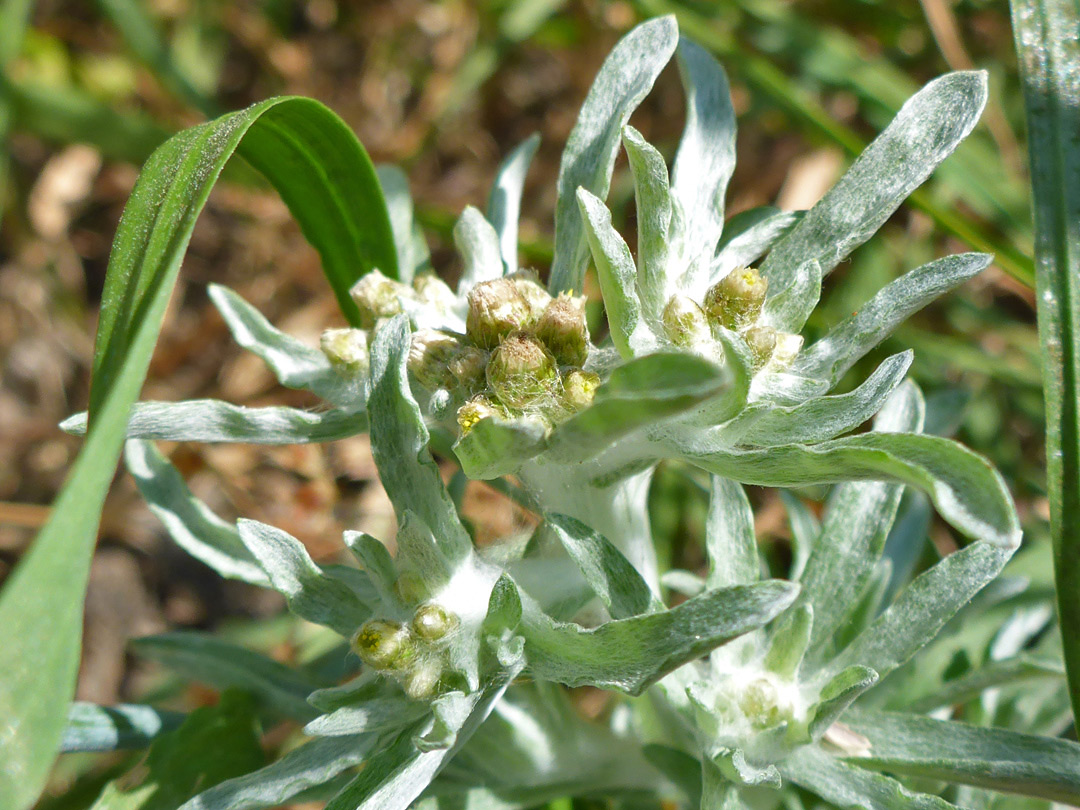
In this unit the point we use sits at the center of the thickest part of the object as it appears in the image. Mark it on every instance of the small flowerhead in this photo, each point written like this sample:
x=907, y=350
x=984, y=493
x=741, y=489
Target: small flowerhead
x=685, y=322
x=762, y=342
x=346, y=348
x=378, y=297
x=381, y=644
x=579, y=389
x=521, y=371
x=528, y=284
x=432, y=622
x=476, y=409
x=562, y=328
x=736, y=300
x=430, y=355
x=496, y=308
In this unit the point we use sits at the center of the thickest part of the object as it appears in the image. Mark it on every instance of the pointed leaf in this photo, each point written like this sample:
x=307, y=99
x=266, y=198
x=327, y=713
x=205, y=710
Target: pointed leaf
x=830, y=358
x=196, y=529
x=211, y=420
x=706, y=156
x=993, y=758
x=377, y=714
x=409, y=244
x=399, y=443
x=652, y=196
x=927, y=129
x=478, y=244
x=623, y=82
x=789, y=642
x=114, y=728
x=840, y=692
x=748, y=236
x=504, y=204
x=729, y=536
x=311, y=594
x=617, y=583
x=630, y=654
x=787, y=310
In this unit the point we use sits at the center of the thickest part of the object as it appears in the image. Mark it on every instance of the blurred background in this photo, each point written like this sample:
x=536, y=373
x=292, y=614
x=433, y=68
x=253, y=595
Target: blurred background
x=445, y=89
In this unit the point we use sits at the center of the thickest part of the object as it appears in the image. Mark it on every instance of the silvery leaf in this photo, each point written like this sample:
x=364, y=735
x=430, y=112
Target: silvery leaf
x=747, y=237
x=412, y=249
x=504, y=203
x=478, y=244
x=623, y=82
x=729, y=536
x=653, y=200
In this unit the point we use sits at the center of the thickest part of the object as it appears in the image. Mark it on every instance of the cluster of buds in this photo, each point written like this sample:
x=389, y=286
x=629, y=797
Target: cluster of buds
x=522, y=353
x=734, y=303
x=414, y=653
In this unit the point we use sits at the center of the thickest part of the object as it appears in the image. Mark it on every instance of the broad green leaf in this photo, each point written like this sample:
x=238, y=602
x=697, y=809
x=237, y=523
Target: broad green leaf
x=295, y=364
x=993, y=758
x=853, y=532
x=967, y=491
x=822, y=418
x=115, y=728
x=706, y=156
x=478, y=244
x=310, y=592
x=376, y=714
x=1049, y=57
x=729, y=536
x=923, y=608
x=504, y=202
x=618, y=278
x=312, y=764
x=495, y=447
x=211, y=420
x=190, y=523
x=617, y=583
x=399, y=443
x=325, y=177
x=748, y=236
x=925, y=131
x=845, y=785
x=397, y=775
x=840, y=692
x=652, y=196
x=220, y=664
x=829, y=358
x=213, y=744
x=623, y=82
x=409, y=243
x=638, y=394
x=628, y=655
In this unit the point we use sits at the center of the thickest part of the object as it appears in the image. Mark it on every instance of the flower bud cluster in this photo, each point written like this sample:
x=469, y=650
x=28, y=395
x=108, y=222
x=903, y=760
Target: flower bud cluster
x=522, y=354
x=414, y=653
x=734, y=303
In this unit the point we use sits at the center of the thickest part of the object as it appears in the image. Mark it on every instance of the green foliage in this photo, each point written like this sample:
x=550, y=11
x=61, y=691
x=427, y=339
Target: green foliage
x=772, y=684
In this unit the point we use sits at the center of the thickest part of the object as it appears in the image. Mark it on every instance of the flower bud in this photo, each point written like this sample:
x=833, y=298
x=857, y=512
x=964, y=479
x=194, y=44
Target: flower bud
x=469, y=366
x=433, y=291
x=562, y=329
x=477, y=408
x=521, y=371
x=378, y=297
x=579, y=388
x=762, y=342
x=381, y=644
x=496, y=309
x=346, y=348
x=430, y=355
x=736, y=300
x=411, y=588
x=763, y=704
x=432, y=622
x=684, y=321
x=528, y=284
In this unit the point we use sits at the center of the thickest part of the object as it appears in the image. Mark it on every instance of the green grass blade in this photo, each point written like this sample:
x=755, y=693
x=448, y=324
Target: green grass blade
x=1050, y=68
x=326, y=178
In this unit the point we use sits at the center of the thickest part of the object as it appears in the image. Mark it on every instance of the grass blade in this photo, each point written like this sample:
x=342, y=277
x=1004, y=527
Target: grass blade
x=1049, y=57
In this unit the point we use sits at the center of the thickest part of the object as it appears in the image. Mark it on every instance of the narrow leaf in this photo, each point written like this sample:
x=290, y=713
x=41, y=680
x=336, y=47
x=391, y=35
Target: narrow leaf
x=706, y=156
x=829, y=358
x=409, y=244
x=652, y=196
x=748, y=236
x=617, y=583
x=222, y=665
x=630, y=654
x=787, y=310
x=840, y=692
x=478, y=244
x=993, y=758
x=399, y=443
x=925, y=131
x=114, y=728
x=1049, y=57
x=504, y=203
x=729, y=536
x=190, y=523
x=211, y=420
x=623, y=82
x=377, y=714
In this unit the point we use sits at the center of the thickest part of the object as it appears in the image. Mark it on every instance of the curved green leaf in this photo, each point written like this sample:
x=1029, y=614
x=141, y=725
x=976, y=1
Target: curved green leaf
x=114, y=728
